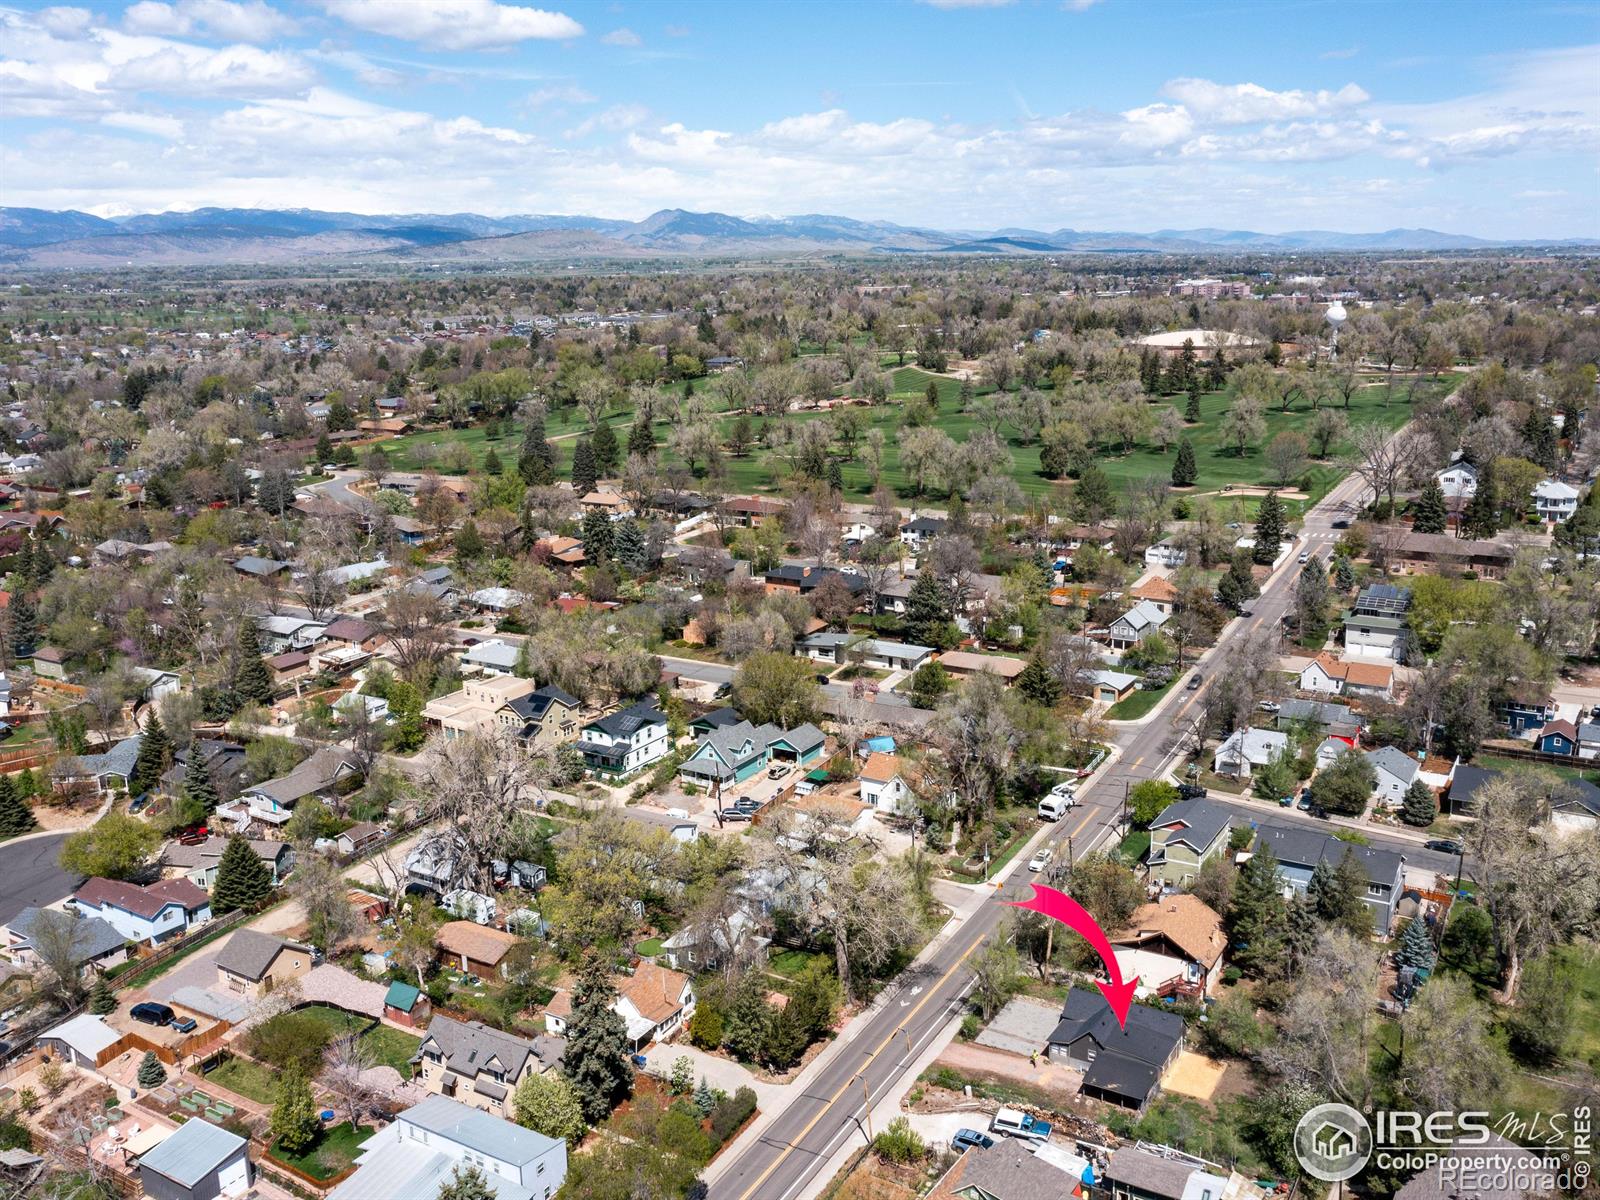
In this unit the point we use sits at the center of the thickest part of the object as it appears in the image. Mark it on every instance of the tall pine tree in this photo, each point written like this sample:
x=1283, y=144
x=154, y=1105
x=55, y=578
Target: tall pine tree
x=1428, y=514
x=1419, y=807
x=252, y=680
x=243, y=880
x=536, y=463
x=1185, y=470
x=1416, y=947
x=606, y=450
x=1258, y=915
x=24, y=625
x=155, y=756
x=928, y=612
x=583, y=468
x=1269, y=529
x=198, y=789
x=1191, y=410
x=1038, y=684
x=15, y=815
x=640, y=441
x=599, y=539
x=1481, y=518
x=596, y=1060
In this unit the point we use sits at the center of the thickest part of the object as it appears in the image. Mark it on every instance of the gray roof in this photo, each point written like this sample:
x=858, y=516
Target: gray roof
x=1202, y=820
x=1154, y=1174
x=251, y=564
x=493, y=654
x=92, y=936
x=193, y=1151
x=250, y=952
x=1307, y=847
x=469, y=1046
x=1149, y=1035
x=478, y=1130
x=1323, y=712
x=313, y=775
x=118, y=760
x=802, y=737
x=734, y=745
x=1008, y=1169
x=1396, y=762
x=628, y=721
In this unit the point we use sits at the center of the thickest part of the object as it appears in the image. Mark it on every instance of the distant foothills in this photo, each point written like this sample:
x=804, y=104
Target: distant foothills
x=40, y=239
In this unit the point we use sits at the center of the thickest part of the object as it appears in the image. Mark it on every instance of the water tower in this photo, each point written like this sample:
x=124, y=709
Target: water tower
x=1335, y=317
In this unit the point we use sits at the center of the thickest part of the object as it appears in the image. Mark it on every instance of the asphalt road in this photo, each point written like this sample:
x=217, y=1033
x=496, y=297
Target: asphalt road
x=29, y=874
x=789, y=1153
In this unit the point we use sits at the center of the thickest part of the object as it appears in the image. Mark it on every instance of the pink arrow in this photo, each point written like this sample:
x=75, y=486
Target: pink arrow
x=1059, y=906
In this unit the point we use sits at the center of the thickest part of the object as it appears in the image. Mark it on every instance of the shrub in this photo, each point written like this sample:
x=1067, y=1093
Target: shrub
x=705, y=1028
x=971, y=1026
x=732, y=1113
x=290, y=1040
x=899, y=1143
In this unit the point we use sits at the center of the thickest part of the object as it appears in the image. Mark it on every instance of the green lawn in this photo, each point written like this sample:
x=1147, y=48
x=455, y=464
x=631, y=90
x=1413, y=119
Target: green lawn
x=389, y=1047
x=253, y=1080
x=1581, y=963
x=1139, y=704
x=756, y=472
x=332, y=1153
x=1134, y=846
x=648, y=948
x=789, y=963
x=1494, y=762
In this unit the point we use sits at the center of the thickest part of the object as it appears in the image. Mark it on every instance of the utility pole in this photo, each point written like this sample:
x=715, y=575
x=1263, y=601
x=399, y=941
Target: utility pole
x=866, y=1110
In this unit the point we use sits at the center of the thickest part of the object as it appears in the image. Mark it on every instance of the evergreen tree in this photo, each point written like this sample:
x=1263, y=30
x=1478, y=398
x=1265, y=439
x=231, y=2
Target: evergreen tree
x=155, y=756
x=604, y=444
x=199, y=792
x=1428, y=513
x=835, y=476
x=704, y=1101
x=151, y=1073
x=1419, y=808
x=491, y=463
x=1344, y=573
x=243, y=880
x=1416, y=947
x=1540, y=434
x=786, y=1040
x=928, y=612
x=640, y=442
x=1336, y=894
x=748, y=1019
x=596, y=1059
x=1185, y=470
x=1237, y=585
x=1481, y=517
x=1217, y=371
x=584, y=474
x=469, y=542
x=536, y=463
x=252, y=680
x=1093, y=497
x=599, y=539
x=44, y=562
x=295, y=1123
x=24, y=625
x=1038, y=684
x=1258, y=915
x=629, y=545
x=467, y=1181
x=15, y=815
x=929, y=683
x=1269, y=529
x=102, y=999
x=1191, y=410
x=324, y=449
x=1311, y=597
x=1149, y=371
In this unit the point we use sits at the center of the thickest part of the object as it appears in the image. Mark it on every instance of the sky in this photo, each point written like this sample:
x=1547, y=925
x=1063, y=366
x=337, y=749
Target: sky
x=1134, y=115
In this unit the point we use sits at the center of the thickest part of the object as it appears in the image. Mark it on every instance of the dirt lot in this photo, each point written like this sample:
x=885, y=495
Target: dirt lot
x=980, y=1062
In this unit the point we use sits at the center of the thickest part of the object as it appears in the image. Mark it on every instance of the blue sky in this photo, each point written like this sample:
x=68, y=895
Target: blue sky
x=1091, y=114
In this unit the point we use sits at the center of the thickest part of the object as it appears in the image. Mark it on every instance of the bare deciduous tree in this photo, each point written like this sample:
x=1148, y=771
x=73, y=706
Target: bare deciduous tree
x=476, y=786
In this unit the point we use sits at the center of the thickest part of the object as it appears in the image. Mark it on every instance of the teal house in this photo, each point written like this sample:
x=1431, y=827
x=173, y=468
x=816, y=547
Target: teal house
x=732, y=753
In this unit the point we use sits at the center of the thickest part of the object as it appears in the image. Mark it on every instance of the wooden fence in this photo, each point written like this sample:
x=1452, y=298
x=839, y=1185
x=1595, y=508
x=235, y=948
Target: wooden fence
x=184, y=944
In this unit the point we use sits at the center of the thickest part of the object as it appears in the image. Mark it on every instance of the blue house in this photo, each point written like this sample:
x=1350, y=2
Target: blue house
x=1557, y=737
x=733, y=753
x=1526, y=708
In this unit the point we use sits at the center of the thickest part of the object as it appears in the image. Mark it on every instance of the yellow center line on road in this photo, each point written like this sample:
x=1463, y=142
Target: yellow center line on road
x=876, y=1050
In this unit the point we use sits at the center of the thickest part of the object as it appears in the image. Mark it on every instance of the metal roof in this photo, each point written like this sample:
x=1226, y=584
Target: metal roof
x=195, y=1149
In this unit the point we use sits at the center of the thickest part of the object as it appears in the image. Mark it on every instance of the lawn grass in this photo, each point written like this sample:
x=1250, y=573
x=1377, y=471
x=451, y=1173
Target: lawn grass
x=1139, y=704
x=1494, y=762
x=253, y=1080
x=789, y=963
x=332, y=1153
x=1135, y=846
x=1580, y=964
x=388, y=1047
x=1219, y=466
x=648, y=948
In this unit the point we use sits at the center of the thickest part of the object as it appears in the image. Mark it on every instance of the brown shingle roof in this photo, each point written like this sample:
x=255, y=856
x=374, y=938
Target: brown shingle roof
x=477, y=942
x=1187, y=921
x=656, y=991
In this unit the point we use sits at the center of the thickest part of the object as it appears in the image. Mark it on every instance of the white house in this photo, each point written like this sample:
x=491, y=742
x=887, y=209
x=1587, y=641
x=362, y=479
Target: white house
x=1331, y=748
x=1329, y=676
x=654, y=1003
x=155, y=684
x=1245, y=749
x=882, y=784
x=1165, y=554
x=1555, y=501
x=417, y=1155
x=493, y=657
x=622, y=742
x=1458, y=481
x=1396, y=769
x=281, y=633
x=152, y=913
x=1138, y=623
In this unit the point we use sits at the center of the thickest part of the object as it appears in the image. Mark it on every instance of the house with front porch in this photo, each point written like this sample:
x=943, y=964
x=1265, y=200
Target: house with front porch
x=654, y=1003
x=272, y=801
x=883, y=784
x=474, y=1064
x=730, y=754
x=1173, y=946
x=1184, y=837
x=1395, y=771
x=1139, y=622
x=1245, y=749
x=625, y=741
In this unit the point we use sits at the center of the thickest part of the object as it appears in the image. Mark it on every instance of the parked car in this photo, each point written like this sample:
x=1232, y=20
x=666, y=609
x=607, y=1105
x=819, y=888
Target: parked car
x=823, y=679
x=1054, y=807
x=5, y=731
x=734, y=814
x=725, y=689
x=1041, y=860
x=1443, y=845
x=1014, y=1123
x=1195, y=681
x=152, y=1013
x=1341, y=523
x=1305, y=800
x=1065, y=789
x=1268, y=706
x=970, y=1139
x=639, y=1061
x=184, y=1025
x=746, y=805
x=779, y=770
x=1191, y=791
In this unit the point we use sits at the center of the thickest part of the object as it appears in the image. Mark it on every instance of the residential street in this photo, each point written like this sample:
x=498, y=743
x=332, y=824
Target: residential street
x=29, y=874
x=785, y=1154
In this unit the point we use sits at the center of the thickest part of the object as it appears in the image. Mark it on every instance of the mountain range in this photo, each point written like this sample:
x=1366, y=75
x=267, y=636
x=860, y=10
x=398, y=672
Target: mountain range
x=42, y=239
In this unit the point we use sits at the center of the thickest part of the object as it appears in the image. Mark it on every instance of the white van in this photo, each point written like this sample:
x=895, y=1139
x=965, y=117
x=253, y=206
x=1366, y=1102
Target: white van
x=1056, y=805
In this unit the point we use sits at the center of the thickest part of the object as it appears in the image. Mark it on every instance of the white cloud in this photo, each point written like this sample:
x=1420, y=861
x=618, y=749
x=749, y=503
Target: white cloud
x=1245, y=103
x=1078, y=5
x=363, y=68
x=455, y=24
x=251, y=21
x=558, y=94
x=156, y=124
x=622, y=37
x=65, y=22
x=616, y=119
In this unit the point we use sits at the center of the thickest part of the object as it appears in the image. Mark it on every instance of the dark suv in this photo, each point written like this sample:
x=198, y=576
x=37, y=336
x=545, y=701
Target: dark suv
x=152, y=1013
